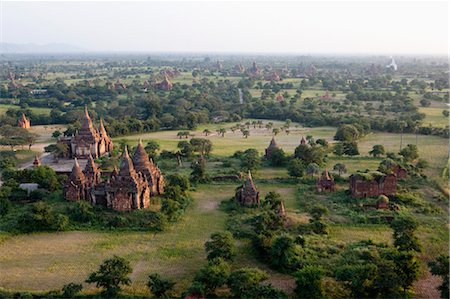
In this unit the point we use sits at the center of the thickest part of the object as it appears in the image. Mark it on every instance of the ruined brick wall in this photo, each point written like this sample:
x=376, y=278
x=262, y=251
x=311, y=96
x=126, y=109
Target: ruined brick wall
x=360, y=188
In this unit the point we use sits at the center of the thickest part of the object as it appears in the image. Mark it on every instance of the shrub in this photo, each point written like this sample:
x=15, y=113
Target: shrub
x=221, y=245
x=5, y=206
x=159, y=286
x=308, y=282
x=82, y=212
x=71, y=289
x=212, y=276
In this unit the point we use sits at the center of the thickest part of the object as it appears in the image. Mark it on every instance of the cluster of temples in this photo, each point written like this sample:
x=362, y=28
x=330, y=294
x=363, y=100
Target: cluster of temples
x=129, y=188
x=88, y=141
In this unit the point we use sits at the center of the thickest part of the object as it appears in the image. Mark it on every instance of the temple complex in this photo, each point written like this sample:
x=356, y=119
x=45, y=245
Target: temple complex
x=165, y=85
x=24, y=122
x=273, y=145
x=254, y=71
x=372, y=184
x=119, y=85
x=272, y=77
x=247, y=194
x=128, y=188
x=325, y=183
x=88, y=140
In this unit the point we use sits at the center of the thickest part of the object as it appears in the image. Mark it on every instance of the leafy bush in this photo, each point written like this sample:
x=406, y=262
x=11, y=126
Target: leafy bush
x=221, y=245
x=71, y=289
x=159, y=286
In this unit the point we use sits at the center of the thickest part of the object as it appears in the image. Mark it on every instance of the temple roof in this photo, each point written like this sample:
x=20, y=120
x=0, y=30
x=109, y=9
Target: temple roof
x=126, y=166
x=76, y=174
x=140, y=156
x=90, y=165
x=326, y=175
x=273, y=143
x=303, y=141
x=102, y=129
x=87, y=131
x=249, y=183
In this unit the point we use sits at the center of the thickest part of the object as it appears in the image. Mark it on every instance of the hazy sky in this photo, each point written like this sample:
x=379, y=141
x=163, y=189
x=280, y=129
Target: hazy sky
x=300, y=27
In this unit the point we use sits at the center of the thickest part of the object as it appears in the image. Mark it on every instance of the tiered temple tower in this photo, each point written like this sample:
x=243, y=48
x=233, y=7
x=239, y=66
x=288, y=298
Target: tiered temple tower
x=88, y=140
x=273, y=145
x=144, y=164
x=75, y=187
x=247, y=194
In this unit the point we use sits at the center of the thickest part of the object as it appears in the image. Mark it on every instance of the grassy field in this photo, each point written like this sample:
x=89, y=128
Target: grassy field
x=434, y=116
x=5, y=107
x=433, y=149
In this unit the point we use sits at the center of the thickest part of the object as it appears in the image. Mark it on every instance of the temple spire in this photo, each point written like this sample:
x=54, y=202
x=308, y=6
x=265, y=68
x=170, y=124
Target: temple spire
x=102, y=128
x=77, y=174
x=126, y=166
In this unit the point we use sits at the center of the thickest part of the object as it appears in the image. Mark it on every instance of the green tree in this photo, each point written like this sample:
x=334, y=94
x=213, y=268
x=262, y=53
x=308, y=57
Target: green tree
x=275, y=131
x=243, y=281
x=285, y=254
x=404, y=234
x=202, y=146
x=308, y=282
x=422, y=164
x=159, y=286
x=440, y=267
x=221, y=132
x=206, y=132
x=56, y=134
x=410, y=153
x=221, y=245
x=214, y=275
x=178, y=180
x=152, y=148
x=338, y=149
x=310, y=154
x=296, y=168
x=377, y=150
x=198, y=174
x=351, y=148
x=186, y=148
x=312, y=169
x=277, y=157
x=340, y=168
x=245, y=133
x=111, y=274
x=348, y=133
x=250, y=160
x=58, y=150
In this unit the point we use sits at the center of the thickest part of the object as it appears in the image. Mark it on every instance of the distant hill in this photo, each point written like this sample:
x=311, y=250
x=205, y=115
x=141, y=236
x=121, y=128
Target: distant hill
x=10, y=48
